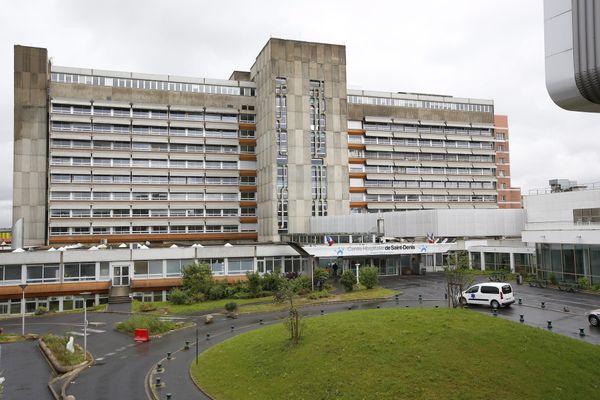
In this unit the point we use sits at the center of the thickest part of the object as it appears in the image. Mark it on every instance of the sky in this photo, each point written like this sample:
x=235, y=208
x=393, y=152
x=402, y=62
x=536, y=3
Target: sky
x=491, y=49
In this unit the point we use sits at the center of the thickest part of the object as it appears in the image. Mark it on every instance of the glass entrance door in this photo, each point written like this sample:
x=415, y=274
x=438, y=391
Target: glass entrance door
x=120, y=275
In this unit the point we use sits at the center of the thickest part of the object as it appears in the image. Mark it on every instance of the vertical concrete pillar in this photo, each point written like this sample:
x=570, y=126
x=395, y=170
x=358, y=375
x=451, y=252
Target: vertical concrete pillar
x=512, y=262
x=470, y=260
x=482, y=261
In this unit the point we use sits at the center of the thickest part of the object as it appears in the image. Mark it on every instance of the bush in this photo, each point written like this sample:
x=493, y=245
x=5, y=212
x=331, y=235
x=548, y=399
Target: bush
x=179, y=296
x=348, y=280
x=254, y=282
x=197, y=278
x=552, y=278
x=147, y=307
x=217, y=291
x=583, y=283
x=243, y=295
x=291, y=275
x=154, y=325
x=41, y=310
x=320, y=274
x=231, y=307
x=369, y=277
x=271, y=282
x=303, y=284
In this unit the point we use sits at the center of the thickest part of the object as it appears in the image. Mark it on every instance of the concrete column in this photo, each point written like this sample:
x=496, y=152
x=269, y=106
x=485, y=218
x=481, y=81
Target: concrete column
x=470, y=260
x=482, y=260
x=512, y=262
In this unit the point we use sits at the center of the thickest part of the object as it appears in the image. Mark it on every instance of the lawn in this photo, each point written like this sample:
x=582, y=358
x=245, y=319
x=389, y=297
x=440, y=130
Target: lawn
x=11, y=338
x=165, y=306
x=401, y=354
x=362, y=294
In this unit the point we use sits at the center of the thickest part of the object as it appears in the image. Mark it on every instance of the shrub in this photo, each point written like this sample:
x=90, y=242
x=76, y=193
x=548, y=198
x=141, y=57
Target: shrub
x=41, y=310
x=147, y=307
x=179, y=296
x=197, y=278
x=319, y=295
x=231, y=307
x=348, y=280
x=254, y=282
x=243, y=295
x=552, y=278
x=217, y=291
x=369, y=277
x=271, y=282
x=154, y=324
x=583, y=283
x=320, y=275
x=303, y=284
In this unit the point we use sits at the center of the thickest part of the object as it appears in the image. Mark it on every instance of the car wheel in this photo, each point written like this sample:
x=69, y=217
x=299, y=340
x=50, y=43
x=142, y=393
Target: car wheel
x=495, y=304
x=462, y=301
x=594, y=320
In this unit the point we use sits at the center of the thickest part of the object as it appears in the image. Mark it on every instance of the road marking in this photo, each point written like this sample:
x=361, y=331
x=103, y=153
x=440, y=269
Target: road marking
x=95, y=330
x=110, y=354
x=100, y=358
x=77, y=333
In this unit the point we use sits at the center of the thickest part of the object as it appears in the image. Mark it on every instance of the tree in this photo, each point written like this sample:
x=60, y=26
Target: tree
x=197, y=280
x=287, y=290
x=457, y=277
x=369, y=277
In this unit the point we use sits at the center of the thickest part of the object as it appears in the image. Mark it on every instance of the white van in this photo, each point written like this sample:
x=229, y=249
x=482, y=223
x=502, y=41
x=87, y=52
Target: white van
x=494, y=294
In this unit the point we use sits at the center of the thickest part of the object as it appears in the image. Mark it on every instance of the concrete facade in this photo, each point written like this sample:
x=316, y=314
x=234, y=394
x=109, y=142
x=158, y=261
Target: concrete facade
x=31, y=142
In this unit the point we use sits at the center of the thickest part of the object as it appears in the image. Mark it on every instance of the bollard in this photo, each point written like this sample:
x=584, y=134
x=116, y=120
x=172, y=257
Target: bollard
x=521, y=318
x=378, y=306
x=495, y=312
x=350, y=308
x=437, y=306
x=445, y=296
x=520, y=301
x=208, y=336
x=543, y=304
x=406, y=306
x=322, y=312
x=260, y=321
x=169, y=355
x=187, y=345
x=157, y=384
x=420, y=298
x=158, y=367
x=581, y=332
x=397, y=297
x=232, y=328
x=549, y=325
x=169, y=396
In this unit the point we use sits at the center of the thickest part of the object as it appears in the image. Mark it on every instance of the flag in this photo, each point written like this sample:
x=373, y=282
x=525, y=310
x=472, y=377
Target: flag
x=329, y=240
x=431, y=238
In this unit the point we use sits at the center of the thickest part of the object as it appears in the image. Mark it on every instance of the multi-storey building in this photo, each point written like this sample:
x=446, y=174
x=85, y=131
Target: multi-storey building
x=122, y=157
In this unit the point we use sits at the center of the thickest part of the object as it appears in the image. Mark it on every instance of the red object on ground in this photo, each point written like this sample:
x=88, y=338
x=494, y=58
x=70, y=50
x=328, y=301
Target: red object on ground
x=141, y=335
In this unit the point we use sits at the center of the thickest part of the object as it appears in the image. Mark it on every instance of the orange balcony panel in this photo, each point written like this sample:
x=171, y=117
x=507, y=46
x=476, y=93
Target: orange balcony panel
x=251, y=142
x=358, y=204
x=157, y=284
x=356, y=146
x=247, y=188
x=355, y=160
x=358, y=174
x=248, y=220
x=248, y=157
x=247, y=204
x=356, y=131
x=358, y=190
x=247, y=172
x=248, y=127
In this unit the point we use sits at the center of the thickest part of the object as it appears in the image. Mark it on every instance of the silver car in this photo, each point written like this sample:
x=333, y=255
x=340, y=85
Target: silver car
x=594, y=317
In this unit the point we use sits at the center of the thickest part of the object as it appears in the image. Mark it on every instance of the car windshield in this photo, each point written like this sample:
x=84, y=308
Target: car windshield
x=473, y=289
x=506, y=289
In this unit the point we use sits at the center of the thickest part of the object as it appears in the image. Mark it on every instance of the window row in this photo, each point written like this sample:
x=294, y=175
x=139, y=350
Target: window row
x=150, y=84
x=430, y=184
x=156, y=196
x=428, y=198
x=137, y=230
x=384, y=155
x=155, y=213
x=433, y=105
x=61, y=126
x=370, y=126
x=154, y=147
x=145, y=163
x=154, y=180
x=461, y=144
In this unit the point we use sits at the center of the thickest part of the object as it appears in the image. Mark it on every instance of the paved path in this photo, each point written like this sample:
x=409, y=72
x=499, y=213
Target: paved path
x=26, y=371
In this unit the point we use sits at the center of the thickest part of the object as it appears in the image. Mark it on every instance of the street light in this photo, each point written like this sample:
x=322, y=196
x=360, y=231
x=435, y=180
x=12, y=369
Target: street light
x=23, y=286
x=85, y=323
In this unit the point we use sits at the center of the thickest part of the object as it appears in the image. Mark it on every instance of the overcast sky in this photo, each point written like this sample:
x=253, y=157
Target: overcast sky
x=490, y=49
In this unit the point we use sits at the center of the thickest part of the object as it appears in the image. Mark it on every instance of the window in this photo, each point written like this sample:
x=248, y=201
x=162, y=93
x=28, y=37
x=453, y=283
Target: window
x=239, y=266
x=490, y=289
x=247, y=196
x=10, y=273
x=42, y=273
x=79, y=271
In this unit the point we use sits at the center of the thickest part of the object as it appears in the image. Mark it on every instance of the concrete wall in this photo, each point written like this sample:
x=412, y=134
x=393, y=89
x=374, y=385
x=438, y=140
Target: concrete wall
x=300, y=62
x=30, y=142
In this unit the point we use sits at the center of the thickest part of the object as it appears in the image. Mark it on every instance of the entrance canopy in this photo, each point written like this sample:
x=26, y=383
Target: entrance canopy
x=378, y=249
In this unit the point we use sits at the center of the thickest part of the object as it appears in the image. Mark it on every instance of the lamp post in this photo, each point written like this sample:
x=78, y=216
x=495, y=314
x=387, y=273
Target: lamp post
x=23, y=286
x=85, y=323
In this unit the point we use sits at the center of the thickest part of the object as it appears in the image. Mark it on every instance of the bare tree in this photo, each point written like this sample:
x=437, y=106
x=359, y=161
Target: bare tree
x=288, y=289
x=457, y=276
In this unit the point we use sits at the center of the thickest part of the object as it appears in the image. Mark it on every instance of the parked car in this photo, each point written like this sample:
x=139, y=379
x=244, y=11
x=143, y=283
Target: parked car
x=494, y=294
x=594, y=317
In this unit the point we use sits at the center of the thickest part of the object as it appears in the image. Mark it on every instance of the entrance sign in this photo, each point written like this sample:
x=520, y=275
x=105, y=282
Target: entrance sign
x=379, y=249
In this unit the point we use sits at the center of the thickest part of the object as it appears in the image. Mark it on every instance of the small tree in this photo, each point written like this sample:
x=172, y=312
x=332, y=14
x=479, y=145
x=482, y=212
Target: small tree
x=348, y=280
x=287, y=291
x=254, y=283
x=197, y=280
x=457, y=277
x=369, y=277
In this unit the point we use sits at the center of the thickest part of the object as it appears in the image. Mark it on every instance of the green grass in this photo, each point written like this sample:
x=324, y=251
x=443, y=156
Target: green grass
x=11, y=338
x=154, y=325
x=163, y=307
x=361, y=294
x=401, y=354
x=57, y=345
